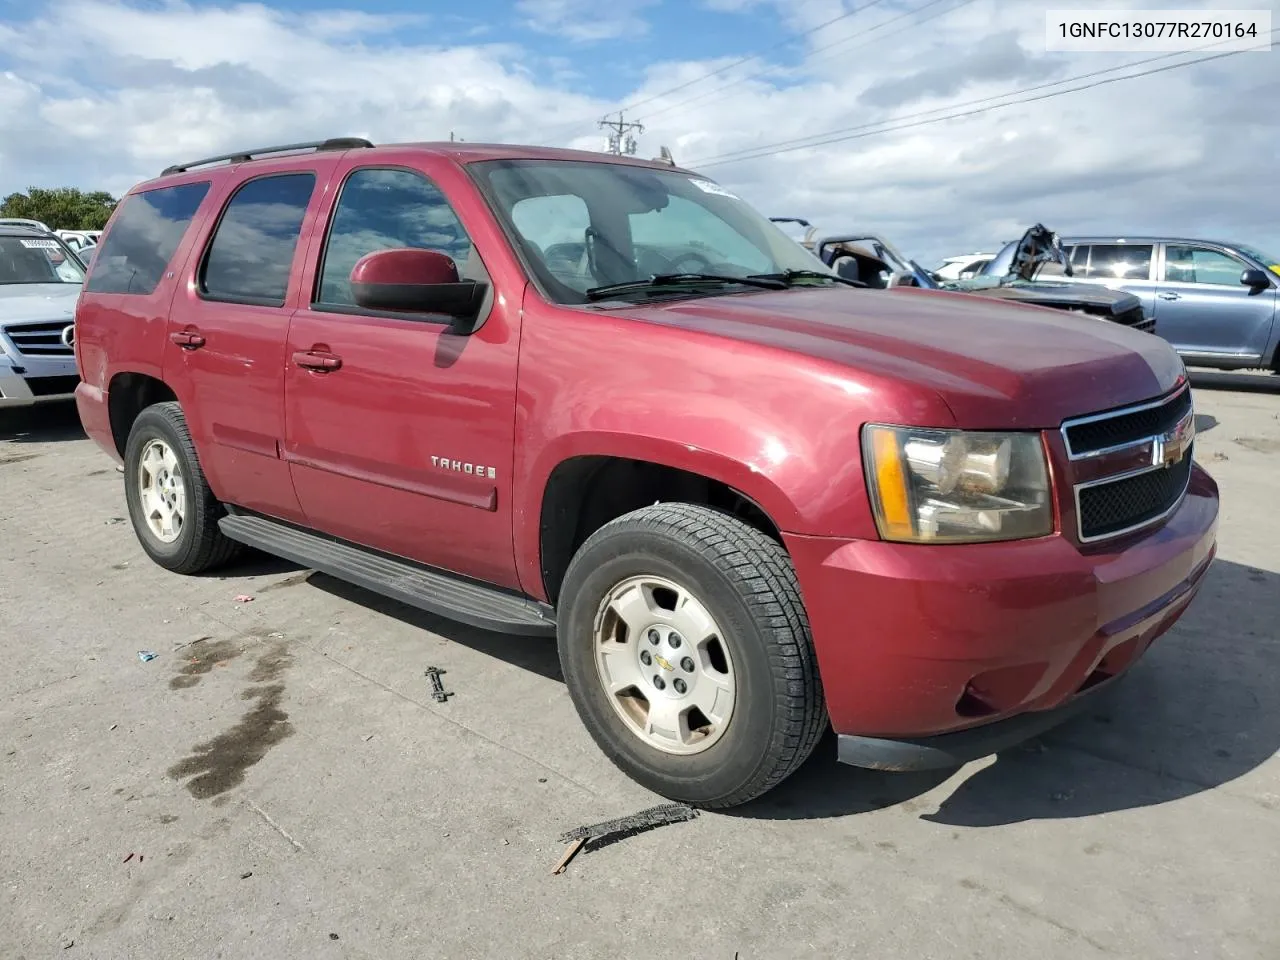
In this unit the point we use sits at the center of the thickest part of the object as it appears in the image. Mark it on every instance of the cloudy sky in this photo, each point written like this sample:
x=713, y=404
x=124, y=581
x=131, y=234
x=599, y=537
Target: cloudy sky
x=102, y=93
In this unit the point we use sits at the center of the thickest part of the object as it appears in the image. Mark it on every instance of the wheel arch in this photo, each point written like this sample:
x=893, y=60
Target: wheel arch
x=128, y=394
x=584, y=491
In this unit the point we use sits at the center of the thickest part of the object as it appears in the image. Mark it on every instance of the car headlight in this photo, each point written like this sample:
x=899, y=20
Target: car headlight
x=956, y=486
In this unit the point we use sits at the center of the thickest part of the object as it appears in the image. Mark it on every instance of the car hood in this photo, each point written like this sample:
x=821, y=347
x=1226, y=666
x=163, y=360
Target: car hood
x=1097, y=300
x=995, y=365
x=27, y=302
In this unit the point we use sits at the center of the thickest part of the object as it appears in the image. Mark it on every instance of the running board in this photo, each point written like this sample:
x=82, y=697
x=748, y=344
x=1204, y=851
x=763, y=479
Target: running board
x=434, y=591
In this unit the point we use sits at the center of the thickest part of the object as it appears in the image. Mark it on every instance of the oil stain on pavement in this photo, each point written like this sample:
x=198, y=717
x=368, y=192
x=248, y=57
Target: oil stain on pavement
x=220, y=764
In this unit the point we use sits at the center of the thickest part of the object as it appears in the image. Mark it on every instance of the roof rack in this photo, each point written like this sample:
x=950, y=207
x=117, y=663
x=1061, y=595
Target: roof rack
x=242, y=156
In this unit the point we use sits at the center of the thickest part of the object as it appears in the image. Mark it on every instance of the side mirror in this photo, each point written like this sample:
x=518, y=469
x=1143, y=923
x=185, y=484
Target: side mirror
x=1255, y=280
x=410, y=280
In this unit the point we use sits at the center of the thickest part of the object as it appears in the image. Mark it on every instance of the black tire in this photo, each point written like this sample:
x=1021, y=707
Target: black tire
x=747, y=583
x=200, y=545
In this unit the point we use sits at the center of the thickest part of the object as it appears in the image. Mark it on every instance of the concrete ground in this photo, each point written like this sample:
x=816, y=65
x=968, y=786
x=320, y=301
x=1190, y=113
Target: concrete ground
x=286, y=787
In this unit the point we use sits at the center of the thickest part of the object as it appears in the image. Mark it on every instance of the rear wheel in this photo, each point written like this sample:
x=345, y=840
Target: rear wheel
x=174, y=513
x=686, y=649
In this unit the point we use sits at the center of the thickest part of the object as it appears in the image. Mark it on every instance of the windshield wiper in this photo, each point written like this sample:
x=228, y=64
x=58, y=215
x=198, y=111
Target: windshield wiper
x=789, y=277
x=681, y=279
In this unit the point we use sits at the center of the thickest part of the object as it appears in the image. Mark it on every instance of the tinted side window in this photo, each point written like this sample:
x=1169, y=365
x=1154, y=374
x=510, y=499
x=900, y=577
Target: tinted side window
x=1198, y=265
x=383, y=210
x=1120, y=261
x=143, y=238
x=252, y=250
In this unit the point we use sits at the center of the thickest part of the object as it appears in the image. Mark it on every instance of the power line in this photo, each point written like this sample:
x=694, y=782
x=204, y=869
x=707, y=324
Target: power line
x=810, y=60
x=736, y=63
x=786, y=146
x=954, y=106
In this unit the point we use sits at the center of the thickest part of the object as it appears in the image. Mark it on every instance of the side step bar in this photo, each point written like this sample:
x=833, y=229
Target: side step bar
x=432, y=590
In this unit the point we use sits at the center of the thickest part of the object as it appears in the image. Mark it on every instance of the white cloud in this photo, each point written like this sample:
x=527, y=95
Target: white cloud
x=586, y=21
x=101, y=94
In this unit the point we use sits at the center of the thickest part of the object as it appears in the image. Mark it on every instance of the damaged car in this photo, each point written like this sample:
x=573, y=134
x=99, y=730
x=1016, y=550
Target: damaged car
x=873, y=260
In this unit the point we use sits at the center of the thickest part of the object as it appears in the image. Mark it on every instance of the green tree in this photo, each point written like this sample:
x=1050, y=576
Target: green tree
x=62, y=208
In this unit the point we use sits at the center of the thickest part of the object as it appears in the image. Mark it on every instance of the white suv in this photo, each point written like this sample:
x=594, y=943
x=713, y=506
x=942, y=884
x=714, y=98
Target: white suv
x=40, y=281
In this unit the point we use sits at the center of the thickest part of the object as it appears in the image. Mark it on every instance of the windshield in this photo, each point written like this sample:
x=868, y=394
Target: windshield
x=586, y=225
x=37, y=260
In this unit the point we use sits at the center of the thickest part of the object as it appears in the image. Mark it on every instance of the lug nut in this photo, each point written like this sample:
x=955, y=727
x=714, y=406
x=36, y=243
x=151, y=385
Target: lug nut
x=659, y=682
x=680, y=686
x=645, y=658
x=674, y=640
x=687, y=665
x=653, y=637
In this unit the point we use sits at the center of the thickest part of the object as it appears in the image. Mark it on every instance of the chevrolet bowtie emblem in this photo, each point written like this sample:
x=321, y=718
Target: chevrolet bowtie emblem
x=1169, y=448
x=663, y=663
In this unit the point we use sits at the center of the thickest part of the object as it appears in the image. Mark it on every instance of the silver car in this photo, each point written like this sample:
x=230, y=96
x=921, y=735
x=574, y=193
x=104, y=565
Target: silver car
x=40, y=280
x=1215, y=302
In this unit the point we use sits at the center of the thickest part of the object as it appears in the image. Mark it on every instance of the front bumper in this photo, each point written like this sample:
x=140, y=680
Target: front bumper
x=919, y=643
x=25, y=381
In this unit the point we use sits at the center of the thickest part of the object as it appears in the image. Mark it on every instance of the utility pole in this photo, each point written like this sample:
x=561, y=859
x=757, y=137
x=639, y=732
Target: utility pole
x=620, y=137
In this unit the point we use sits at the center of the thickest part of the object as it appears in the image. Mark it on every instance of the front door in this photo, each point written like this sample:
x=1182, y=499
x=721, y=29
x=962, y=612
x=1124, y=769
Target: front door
x=406, y=444
x=1204, y=310
x=227, y=331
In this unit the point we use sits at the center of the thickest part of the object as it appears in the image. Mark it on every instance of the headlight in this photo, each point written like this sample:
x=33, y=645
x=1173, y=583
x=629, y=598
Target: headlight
x=955, y=486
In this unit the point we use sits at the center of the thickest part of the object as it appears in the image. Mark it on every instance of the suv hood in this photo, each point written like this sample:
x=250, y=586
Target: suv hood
x=995, y=365
x=28, y=302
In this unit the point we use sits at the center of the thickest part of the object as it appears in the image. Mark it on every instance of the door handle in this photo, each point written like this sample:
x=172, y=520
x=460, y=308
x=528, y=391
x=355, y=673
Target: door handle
x=1169, y=296
x=317, y=360
x=187, y=340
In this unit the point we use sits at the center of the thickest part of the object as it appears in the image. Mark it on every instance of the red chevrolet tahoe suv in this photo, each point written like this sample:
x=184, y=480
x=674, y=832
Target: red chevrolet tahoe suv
x=553, y=392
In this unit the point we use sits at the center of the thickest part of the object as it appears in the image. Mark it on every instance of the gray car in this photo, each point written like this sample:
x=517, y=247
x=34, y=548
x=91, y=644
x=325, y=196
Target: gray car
x=1215, y=302
x=40, y=280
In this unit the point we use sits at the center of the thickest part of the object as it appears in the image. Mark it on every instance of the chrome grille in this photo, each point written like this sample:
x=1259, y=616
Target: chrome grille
x=40, y=339
x=1159, y=436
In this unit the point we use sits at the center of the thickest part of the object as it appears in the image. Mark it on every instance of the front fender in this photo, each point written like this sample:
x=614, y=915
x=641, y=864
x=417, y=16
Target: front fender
x=781, y=429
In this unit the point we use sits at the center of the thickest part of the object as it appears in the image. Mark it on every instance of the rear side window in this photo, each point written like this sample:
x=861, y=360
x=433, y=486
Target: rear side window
x=251, y=254
x=1119, y=261
x=143, y=238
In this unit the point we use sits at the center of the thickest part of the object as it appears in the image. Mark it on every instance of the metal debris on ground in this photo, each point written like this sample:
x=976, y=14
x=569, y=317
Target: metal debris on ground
x=246, y=875
x=438, y=693
x=611, y=831
x=146, y=655
x=128, y=858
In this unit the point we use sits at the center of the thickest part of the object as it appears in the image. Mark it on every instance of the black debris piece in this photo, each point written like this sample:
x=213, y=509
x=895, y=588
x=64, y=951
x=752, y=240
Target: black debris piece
x=611, y=831
x=438, y=692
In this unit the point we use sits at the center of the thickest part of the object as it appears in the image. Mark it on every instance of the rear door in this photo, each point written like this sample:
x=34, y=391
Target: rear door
x=227, y=330
x=407, y=444
x=1204, y=310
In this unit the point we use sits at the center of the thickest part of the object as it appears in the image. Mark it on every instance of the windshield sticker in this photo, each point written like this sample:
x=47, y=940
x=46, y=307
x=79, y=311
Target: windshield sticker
x=706, y=186
x=39, y=244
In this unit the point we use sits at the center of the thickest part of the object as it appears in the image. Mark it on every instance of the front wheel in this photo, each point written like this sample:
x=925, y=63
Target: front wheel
x=686, y=649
